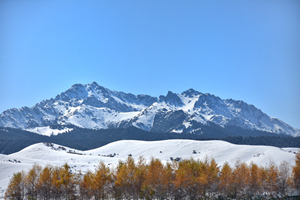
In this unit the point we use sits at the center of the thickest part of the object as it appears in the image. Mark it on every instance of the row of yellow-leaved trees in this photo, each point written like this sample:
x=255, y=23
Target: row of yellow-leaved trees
x=187, y=179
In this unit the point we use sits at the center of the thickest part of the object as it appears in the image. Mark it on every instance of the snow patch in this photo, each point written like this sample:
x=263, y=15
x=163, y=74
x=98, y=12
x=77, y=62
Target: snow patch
x=187, y=124
x=177, y=131
x=47, y=131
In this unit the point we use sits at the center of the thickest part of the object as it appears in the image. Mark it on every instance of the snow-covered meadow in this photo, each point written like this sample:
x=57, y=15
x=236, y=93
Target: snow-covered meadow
x=47, y=153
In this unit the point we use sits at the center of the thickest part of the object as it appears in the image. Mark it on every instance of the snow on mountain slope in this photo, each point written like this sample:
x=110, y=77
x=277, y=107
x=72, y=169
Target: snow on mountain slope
x=95, y=118
x=95, y=107
x=87, y=106
x=205, y=108
x=231, y=112
x=110, y=154
x=46, y=130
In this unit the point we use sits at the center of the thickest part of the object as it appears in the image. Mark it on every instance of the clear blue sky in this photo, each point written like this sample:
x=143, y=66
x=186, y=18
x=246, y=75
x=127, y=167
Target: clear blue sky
x=245, y=50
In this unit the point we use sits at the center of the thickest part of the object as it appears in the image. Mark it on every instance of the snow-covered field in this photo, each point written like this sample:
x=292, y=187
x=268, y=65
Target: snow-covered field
x=110, y=154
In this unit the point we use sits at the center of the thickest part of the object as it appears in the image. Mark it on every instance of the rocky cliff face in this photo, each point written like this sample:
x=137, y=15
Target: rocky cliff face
x=95, y=107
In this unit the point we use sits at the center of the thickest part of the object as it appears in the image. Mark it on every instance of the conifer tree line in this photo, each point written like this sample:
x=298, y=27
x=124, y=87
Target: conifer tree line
x=187, y=179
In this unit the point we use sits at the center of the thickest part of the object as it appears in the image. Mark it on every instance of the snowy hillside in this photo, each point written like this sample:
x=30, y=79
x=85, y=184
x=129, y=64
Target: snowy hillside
x=82, y=160
x=95, y=107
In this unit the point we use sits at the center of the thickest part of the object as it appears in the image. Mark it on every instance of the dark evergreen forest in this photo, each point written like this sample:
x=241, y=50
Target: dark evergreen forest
x=13, y=140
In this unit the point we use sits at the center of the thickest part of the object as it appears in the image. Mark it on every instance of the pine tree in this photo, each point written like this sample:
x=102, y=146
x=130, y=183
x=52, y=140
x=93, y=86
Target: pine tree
x=56, y=183
x=203, y=177
x=15, y=190
x=225, y=180
x=125, y=178
x=296, y=172
x=44, y=183
x=180, y=182
x=254, y=183
x=187, y=179
x=139, y=177
x=262, y=178
x=85, y=185
x=101, y=181
x=192, y=169
x=66, y=181
x=272, y=179
x=154, y=185
x=31, y=181
x=117, y=189
x=169, y=178
x=241, y=180
x=213, y=178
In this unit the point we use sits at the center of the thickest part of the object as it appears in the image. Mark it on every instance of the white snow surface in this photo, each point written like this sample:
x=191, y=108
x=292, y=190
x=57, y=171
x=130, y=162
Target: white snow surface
x=47, y=131
x=87, y=160
x=96, y=118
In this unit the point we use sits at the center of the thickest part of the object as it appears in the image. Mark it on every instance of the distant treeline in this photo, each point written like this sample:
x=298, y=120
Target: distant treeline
x=13, y=140
x=187, y=179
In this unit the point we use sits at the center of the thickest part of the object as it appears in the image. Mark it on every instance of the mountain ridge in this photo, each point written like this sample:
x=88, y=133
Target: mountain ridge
x=96, y=107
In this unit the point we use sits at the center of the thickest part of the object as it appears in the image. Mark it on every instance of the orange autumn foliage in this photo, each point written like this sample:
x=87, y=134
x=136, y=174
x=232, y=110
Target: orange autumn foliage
x=130, y=179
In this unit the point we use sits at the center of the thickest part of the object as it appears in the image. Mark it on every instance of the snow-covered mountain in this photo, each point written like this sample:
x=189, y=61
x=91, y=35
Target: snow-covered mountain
x=48, y=153
x=95, y=107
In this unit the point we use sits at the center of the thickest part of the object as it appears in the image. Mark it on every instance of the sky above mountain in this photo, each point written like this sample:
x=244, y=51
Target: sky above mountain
x=244, y=50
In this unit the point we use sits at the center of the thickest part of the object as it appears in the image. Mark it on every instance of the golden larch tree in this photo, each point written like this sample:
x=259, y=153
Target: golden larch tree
x=16, y=189
x=225, y=180
x=296, y=172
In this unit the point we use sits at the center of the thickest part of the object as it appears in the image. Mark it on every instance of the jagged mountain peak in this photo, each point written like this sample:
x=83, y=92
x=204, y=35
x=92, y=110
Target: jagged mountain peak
x=171, y=99
x=98, y=96
x=94, y=83
x=94, y=106
x=190, y=93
